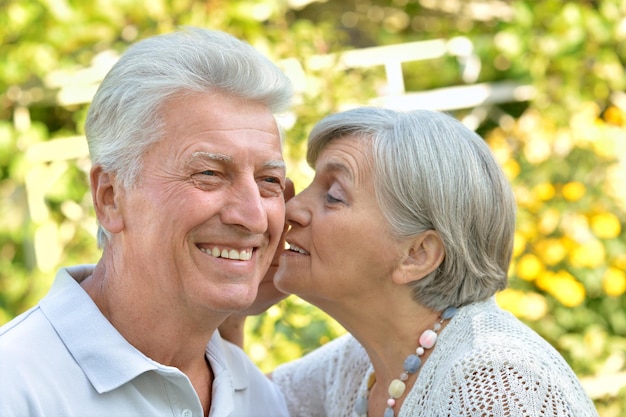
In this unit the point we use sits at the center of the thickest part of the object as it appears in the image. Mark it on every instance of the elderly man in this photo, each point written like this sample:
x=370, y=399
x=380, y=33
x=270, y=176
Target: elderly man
x=187, y=184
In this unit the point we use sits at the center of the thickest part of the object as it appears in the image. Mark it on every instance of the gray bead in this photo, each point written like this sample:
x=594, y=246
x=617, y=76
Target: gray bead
x=412, y=363
x=361, y=406
x=448, y=313
x=389, y=412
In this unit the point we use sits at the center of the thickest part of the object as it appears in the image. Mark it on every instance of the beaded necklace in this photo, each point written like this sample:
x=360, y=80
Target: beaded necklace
x=412, y=364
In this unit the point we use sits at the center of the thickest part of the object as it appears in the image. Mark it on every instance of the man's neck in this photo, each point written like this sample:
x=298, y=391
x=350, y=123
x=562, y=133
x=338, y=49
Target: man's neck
x=161, y=329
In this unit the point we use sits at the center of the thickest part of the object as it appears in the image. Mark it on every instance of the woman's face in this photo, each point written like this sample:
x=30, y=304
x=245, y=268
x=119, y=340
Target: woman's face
x=340, y=245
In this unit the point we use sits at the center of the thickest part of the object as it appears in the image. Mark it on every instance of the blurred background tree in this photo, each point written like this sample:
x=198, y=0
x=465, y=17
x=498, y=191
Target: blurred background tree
x=563, y=146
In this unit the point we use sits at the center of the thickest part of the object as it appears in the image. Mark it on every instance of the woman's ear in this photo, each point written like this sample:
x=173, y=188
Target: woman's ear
x=105, y=192
x=424, y=255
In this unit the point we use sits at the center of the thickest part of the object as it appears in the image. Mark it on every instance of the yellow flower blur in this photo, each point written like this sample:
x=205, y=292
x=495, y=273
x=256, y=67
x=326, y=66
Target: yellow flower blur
x=549, y=221
x=537, y=149
x=573, y=191
x=534, y=306
x=563, y=287
x=529, y=306
x=529, y=267
x=551, y=251
x=615, y=116
x=614, y=282
x=519, y=244
x=527, y=229
x=620, y=262
x=511, y=168
x=590, y=254
x=606, y=225
x=614, y=186
x=544, y=191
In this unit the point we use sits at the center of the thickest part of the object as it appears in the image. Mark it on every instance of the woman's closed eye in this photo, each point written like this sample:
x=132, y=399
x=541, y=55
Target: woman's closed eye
x=335, y=194
x=332, y=200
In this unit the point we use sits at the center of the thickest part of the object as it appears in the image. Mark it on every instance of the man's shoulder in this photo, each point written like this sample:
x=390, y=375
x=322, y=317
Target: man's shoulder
x=20, y=333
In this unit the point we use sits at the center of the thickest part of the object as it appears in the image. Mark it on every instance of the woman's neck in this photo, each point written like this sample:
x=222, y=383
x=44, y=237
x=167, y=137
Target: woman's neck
x=389, y=334
x=389, y=331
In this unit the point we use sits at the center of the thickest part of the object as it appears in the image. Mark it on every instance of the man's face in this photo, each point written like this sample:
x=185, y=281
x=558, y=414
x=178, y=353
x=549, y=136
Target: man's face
x=207, y=214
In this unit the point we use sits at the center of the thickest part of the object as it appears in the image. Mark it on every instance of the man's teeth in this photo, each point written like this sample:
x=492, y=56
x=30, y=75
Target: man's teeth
x=295, y=248
x=243, y=255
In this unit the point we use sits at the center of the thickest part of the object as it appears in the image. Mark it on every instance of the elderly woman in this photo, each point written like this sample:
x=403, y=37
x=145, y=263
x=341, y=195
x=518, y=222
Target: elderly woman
x=404, y=236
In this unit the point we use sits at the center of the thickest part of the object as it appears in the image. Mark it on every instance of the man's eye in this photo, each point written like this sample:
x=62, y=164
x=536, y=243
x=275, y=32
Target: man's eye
x=271, y=186
x=207, y=180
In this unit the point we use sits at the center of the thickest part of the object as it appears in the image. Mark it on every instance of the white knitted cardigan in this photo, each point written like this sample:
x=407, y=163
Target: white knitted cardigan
x=485, y=363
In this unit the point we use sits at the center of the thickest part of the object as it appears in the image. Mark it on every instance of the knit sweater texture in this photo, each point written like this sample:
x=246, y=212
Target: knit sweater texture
x=485, y=363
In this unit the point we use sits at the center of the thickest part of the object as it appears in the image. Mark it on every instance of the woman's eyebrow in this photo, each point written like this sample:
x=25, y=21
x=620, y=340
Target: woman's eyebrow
x=338, y=169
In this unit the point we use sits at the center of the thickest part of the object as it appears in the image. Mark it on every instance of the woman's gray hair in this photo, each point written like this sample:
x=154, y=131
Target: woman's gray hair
x=123, y=120
x=433, y=173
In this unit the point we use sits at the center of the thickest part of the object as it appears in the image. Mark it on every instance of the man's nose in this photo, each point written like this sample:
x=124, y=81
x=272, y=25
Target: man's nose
x=245, y=207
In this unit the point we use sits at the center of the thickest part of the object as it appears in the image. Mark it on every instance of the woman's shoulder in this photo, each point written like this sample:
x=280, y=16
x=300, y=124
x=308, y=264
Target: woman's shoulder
x=339, y=354
x=331, y=374
x=487, y=354
x=489, y=340
x=488, y=326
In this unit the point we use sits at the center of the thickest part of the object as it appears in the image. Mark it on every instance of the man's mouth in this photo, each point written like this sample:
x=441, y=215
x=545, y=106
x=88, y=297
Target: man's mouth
x=234, y=254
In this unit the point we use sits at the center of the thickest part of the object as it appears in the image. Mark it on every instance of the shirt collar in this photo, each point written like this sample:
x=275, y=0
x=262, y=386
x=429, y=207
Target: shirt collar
x=106, y=358
x=223, y=356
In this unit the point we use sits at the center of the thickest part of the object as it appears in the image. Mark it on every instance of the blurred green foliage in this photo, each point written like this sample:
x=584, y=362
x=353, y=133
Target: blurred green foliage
x=564, y=150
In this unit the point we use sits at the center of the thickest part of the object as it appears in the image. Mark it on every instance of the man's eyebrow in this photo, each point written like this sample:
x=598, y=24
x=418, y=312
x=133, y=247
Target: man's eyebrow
x=278, y=163
x=213, y=156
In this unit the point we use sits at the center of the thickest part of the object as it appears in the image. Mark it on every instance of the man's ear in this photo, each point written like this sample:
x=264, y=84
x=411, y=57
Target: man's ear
x=105, y=193
x=423, y=256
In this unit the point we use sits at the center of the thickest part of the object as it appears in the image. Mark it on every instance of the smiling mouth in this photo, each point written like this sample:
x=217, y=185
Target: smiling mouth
x=297, y=249
x=233, y=254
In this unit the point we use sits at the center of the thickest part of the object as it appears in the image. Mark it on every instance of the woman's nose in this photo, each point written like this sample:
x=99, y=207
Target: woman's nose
x=298, y=209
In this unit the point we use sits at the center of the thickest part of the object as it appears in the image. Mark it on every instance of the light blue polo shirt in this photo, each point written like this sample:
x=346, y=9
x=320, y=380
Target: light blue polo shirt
x=63, y=358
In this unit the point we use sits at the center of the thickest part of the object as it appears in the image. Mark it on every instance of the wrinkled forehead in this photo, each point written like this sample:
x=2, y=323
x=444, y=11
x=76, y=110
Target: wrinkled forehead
x=350, y=155
x=318, y=144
